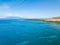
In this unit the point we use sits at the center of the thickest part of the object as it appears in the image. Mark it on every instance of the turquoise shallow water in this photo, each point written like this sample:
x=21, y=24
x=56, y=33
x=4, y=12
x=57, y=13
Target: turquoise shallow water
x=18, y=32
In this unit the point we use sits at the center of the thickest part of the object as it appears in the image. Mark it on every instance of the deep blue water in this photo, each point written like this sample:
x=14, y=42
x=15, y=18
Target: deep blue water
x=16, y=32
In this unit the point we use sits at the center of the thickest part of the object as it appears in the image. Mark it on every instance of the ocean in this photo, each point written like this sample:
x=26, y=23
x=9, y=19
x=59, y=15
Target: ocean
x=23, y=32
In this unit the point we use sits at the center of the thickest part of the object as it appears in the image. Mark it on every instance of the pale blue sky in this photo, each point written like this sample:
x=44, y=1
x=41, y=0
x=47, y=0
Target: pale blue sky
x=30, y=8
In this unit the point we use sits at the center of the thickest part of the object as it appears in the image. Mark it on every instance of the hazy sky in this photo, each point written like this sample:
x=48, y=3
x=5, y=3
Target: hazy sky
x=30, y=8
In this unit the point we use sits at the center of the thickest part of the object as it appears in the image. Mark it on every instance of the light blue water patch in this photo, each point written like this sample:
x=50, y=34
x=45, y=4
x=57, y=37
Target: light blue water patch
x=23, y=43
x=16, y=32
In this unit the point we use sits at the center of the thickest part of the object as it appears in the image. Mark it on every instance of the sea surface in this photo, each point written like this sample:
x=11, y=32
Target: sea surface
x=23, y=32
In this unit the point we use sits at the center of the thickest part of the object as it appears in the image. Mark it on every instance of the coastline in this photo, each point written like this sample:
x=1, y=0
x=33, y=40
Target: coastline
x=46, y=20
